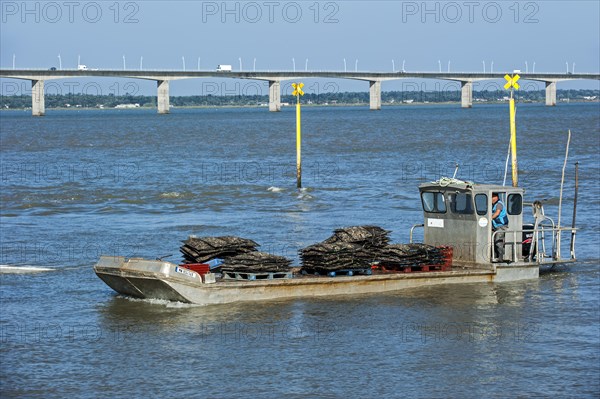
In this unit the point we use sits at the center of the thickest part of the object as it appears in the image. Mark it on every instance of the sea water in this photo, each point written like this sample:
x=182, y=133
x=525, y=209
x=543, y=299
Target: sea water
x=79, y=184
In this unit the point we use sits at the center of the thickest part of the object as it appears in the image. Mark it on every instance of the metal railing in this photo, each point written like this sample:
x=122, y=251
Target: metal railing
x=538, y=249
x=545, y=242
x=412, y=229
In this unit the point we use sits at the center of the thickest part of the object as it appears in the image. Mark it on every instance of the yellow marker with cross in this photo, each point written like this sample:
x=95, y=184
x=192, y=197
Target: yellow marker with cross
x=511, y=83
x=297, y=93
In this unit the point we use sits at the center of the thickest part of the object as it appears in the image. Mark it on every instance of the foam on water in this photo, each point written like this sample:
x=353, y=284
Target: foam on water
x=303, y=194
x=274, y=189
x=9, y=269
x=173, y=194
x=177, y=195
x=162, y=302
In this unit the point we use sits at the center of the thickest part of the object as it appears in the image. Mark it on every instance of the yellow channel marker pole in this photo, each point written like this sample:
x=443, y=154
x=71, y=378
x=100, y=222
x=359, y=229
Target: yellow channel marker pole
x=513, y=144
x=511, y=82
x=297, y=93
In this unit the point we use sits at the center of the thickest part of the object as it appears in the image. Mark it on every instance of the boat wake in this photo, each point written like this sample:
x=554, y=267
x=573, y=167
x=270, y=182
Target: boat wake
x=8, y=269
x=162, y=302
x=274, y=189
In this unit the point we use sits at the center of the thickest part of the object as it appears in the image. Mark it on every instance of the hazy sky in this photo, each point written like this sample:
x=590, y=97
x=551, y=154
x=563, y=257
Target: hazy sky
x=320, y=34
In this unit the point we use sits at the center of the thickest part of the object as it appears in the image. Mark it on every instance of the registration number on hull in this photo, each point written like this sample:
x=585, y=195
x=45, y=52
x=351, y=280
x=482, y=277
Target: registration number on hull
x=185, y=271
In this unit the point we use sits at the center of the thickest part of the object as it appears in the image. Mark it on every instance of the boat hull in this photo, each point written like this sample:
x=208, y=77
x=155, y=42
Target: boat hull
x=164, y=280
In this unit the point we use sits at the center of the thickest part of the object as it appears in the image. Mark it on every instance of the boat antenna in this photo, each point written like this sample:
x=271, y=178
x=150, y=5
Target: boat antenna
x=506, y=165
x=164, y=256
x=562, y=182
x=455, y=170
x=574, y=209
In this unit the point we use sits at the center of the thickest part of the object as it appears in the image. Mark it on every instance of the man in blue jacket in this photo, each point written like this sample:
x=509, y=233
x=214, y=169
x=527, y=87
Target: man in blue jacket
x=499, y=224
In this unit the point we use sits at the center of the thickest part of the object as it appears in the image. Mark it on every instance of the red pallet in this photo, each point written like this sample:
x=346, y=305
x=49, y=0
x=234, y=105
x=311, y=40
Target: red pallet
x=425, y=268
x=446, y=266
x=448, y=253
x=200, y=268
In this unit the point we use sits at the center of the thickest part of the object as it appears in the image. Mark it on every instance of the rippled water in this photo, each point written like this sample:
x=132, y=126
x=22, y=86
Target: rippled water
x=77, y=184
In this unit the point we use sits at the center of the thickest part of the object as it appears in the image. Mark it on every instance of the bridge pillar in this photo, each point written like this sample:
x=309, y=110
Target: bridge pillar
x=375, y=95
x=551, y=94
x=466, y=94
x=274, y=95
x=163, y=96
x=38, y=107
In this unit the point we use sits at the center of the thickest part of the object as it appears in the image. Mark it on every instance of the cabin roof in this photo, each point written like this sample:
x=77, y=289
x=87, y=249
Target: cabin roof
x=448, y=183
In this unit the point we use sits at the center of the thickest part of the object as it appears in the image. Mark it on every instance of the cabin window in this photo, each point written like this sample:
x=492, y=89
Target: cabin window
x=514, y=204
x=461, y=203
x=481, y=204
x=433, y=202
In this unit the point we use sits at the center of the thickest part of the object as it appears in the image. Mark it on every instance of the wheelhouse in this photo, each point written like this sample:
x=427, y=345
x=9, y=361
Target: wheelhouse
x=458, y=214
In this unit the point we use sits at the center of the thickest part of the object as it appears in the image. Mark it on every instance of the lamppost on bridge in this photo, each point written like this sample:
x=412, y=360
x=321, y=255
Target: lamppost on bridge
x=79, y=60
x=240, y=60
x=448, y=66
x=254, y=65
x=141, y=62
x=492, y=67
x=403, y=61
x=567, y=66
x=59, y=62
x=306, y=65
x=533, y=71
x=124, y=65
x=14, y=60
x=526, y=67
x=183, y=62
x=483, y=66
x=293, y=64
x=345, y=70
x=573, y=68
x=198, y=63
x=393, y=66
x=440, y=65
x=356, y=66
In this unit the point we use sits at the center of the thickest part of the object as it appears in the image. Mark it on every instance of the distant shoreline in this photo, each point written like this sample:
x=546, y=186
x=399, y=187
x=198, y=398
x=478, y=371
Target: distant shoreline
x=338, y=105
x=331, y=99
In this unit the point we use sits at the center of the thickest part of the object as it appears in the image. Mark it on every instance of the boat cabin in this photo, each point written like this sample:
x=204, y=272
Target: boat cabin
x=458, y=214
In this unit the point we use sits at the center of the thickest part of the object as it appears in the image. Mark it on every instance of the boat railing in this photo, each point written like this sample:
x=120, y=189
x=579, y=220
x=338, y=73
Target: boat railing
x=545, y=242
x=412, y=229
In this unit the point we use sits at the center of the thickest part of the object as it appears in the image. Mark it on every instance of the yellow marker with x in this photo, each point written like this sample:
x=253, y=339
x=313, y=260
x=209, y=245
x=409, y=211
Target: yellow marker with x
x=297, y=93
x=511, y=81
x=297, y=90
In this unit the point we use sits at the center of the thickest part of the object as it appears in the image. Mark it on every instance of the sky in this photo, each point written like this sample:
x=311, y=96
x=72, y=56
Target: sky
x=464, y=36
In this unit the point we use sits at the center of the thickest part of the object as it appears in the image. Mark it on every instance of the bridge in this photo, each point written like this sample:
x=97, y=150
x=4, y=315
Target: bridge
x=162, y=78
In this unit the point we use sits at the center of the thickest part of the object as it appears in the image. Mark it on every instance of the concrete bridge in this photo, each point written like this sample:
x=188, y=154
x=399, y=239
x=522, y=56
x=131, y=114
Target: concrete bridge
x=162, y=78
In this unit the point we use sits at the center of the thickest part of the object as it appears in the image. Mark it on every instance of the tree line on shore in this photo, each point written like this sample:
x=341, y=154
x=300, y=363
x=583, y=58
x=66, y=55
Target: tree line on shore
x=338, y=98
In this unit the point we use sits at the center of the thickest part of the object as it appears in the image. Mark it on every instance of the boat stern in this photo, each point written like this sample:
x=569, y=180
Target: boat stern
x=516, y=272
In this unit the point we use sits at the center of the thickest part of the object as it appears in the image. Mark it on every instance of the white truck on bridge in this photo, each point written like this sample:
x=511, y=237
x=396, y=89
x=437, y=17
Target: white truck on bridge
x=224, y=68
